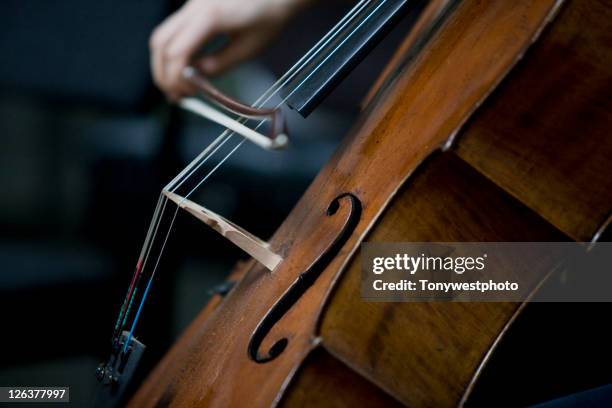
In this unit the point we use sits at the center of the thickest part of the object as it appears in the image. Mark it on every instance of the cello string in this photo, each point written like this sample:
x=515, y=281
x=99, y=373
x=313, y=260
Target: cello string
x=139, y=264
x=360, y=6
x=143, y=263
x=219, y=164
x=218, y=143
x=184, y=175
x=291, y=93
x=328, y=56
x=207, y=156
x=210, y=173
x=161, y=251
x=226, y=135
x=140, y=268
x=286, y=78
x=146, y=292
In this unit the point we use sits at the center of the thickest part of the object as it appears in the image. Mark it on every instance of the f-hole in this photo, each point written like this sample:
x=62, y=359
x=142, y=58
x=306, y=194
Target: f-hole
x=304, y=281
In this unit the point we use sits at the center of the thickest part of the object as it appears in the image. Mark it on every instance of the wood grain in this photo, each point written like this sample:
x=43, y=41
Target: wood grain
x=426, y=354
x=544, y=135
x=423, y=105
x=323, y=381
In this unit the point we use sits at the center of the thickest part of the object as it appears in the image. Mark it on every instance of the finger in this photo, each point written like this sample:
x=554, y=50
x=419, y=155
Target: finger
x=158, y=41
x=179, y=52
x=239, y=49
x=157, y=67
x=181, y=90
x=164, y=31
x=176, y=96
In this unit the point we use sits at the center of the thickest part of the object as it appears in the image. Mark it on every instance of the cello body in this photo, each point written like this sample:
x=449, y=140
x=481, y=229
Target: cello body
x=495, y=129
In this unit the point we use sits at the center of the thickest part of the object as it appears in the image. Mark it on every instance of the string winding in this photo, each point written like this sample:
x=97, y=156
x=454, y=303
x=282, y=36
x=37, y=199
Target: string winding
x=191, y=170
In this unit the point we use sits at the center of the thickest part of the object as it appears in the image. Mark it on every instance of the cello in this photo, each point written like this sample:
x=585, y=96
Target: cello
x=490, y=123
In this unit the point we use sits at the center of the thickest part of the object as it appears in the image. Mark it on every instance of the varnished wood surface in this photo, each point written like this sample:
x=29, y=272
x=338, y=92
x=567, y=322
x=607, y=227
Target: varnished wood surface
x=324, y=381
x=426, y=354
x=423, y=106
x=545, y=134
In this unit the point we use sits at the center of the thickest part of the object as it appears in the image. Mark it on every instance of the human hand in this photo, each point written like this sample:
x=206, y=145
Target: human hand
x=176, y=42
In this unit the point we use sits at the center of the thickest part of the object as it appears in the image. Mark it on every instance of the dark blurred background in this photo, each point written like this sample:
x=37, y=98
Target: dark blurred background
x=86, y=145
